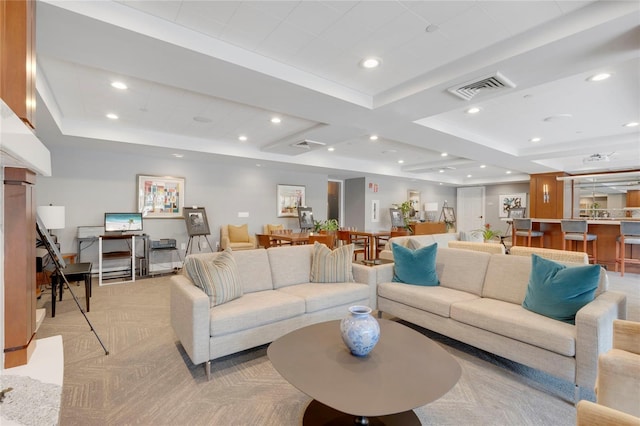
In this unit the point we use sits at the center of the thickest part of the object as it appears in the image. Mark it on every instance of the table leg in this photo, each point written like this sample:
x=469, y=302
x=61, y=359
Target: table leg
x=87, y=288
x=54, y=284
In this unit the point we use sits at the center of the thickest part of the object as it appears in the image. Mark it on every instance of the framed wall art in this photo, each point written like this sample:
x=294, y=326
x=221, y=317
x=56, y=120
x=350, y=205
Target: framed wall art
x=160, y=197
x=288, y=199
x=375, y=211
x=414, y=200
x=196, y=220
x=510, y=201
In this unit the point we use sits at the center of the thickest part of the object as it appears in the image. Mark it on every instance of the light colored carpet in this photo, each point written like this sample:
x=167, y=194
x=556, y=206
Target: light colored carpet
x=147, y=379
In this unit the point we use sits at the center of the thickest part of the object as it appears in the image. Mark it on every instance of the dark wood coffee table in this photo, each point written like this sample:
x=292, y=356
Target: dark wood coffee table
x=404, y=371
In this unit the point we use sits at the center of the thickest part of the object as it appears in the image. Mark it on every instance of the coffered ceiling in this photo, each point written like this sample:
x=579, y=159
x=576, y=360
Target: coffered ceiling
x=200, y=74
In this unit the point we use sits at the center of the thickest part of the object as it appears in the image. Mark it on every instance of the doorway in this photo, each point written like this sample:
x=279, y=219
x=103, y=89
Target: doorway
x=334, y=199
x=470, y=208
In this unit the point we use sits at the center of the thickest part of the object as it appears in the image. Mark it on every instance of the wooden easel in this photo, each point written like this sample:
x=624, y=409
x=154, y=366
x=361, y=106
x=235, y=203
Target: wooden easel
x=443, y=216
x=190, y=246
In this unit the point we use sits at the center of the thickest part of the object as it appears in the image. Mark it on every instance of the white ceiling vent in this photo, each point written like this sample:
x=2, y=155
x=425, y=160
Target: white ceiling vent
x=308, y=144
x=597, y=158
x=491, y=82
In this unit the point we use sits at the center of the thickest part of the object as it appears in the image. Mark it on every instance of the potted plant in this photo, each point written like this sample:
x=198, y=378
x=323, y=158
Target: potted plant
x=406, y=210
x=487, y=233
x=327, y=226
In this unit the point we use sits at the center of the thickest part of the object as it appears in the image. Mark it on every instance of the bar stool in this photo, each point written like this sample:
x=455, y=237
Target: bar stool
x=522, y=228
x=629, y=234
x=576, y=230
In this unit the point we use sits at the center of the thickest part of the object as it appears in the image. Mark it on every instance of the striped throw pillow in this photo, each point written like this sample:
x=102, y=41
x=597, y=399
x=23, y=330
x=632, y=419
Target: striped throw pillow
x=219, y=278
x=331, y=266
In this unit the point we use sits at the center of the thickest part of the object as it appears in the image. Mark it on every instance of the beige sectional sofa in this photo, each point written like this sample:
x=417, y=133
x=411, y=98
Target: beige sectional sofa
x=479, y=302
x=277, y=298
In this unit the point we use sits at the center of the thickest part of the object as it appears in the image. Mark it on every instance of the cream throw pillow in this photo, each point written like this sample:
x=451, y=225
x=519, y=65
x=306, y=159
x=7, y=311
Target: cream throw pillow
x=219, y=278
x=331, y=266
x=239, y=234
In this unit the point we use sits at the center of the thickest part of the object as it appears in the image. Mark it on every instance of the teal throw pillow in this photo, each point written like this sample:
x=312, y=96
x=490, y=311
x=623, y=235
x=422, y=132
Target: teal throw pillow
x=416, y=267
x=557, y=291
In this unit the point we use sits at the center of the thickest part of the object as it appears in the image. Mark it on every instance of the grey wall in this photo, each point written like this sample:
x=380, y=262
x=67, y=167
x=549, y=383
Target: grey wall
x=90, y=184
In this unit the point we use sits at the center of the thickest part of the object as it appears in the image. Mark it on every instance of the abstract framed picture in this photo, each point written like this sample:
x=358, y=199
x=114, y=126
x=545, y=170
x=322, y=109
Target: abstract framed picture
x=510, y=201
x=288, y=199
x=160, y=197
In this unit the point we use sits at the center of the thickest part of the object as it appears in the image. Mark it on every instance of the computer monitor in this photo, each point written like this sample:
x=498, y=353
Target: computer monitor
x=122, y=222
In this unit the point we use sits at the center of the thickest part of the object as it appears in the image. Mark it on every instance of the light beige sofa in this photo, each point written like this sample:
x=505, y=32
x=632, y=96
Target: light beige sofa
x=277, y=298
x=493, y=248
x=479, y=302
x=552, y=254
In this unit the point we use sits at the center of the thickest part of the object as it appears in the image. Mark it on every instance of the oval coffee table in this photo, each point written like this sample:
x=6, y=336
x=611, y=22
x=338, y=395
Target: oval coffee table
x=404, y=371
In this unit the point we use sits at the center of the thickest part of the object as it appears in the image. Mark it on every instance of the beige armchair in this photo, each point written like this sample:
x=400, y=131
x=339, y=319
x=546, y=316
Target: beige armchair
x=237, y=237
x=618, y=381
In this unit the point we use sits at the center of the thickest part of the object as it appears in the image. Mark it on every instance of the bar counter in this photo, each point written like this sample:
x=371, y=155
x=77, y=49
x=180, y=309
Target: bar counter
x=607, y=231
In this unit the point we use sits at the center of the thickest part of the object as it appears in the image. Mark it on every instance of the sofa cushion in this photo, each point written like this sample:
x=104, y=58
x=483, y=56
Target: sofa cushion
x=238, y=233
x=331, y=266
x=319, y=296
x=433, y=299
x=254, y=269
x=290, y=264
x=462, y=270
x=507, y=278
x=559, y=292
x=513, y=321
x=218, y=277
x=254, y=310
x=417, y=267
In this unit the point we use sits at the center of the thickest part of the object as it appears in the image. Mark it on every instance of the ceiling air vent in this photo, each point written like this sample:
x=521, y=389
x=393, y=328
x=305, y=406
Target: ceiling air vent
x=308, y=144
x=492, y=82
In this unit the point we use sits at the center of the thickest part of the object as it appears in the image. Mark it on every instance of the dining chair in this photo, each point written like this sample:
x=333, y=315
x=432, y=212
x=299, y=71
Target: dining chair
x=629, y=234
x=523, y=228
x=264, y=240
x=345, y=237
x=576, y=230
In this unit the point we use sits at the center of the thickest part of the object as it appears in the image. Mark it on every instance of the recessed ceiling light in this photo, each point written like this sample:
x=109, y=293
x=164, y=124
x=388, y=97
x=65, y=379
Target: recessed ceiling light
x=440, y=183
x=558, y=117
x=444, y=154
x=631, y=124
x=178, y=155
x=473, y=110
x=258, y=165
x=441, y=171
x=468, y=176
x=373, y=137
x=331, y=149
x=200, y=119
x=112, y=116
x=242, y=138
x=536, y=139
x=482, y=166
x=599, y=77
x=370, y=63
x=276, y=120
x=400, y=161
x=119, y=85
x=508, y=172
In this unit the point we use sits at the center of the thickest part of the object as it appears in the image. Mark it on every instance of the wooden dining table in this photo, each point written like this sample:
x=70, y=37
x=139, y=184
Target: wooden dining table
x=373, y=239
x=293, y=237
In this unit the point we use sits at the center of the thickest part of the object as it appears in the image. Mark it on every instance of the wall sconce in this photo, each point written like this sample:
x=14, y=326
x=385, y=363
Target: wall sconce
x=545, y=193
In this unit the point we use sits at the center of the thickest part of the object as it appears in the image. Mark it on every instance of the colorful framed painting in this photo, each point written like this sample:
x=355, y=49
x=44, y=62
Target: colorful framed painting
x=288, y=199
x=511, y=201
x=160, y=197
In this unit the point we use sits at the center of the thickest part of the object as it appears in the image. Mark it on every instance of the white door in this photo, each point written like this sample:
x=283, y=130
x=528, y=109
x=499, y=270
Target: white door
x=470, y=209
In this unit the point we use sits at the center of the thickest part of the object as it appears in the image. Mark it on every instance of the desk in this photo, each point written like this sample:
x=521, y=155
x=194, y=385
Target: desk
x=73, y=272
x=122, y=254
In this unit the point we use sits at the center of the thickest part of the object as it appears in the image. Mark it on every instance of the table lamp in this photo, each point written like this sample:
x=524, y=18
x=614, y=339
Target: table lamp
x=431, y=209
x=52, y=217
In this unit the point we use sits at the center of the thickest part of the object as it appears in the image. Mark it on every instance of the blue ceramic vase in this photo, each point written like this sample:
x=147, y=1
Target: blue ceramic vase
x=360, y=331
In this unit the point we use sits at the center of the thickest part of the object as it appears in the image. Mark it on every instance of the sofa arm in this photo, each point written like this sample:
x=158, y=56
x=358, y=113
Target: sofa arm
x=367, y=275
x=618, y=383
x=626, y=336
x=591, y=414
x=384, y=273
x=594, y=333
x=189, y=311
